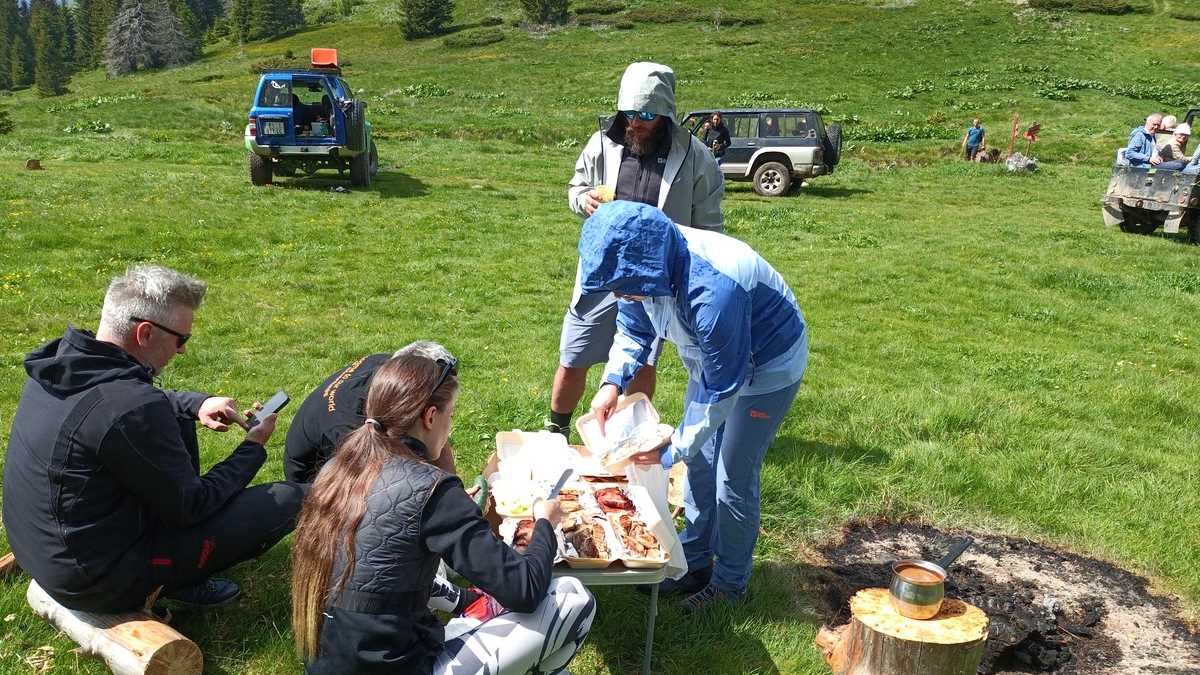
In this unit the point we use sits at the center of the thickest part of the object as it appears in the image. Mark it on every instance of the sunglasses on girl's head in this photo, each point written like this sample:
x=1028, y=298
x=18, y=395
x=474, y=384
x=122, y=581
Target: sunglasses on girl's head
x=448, y=367
x=640, y=114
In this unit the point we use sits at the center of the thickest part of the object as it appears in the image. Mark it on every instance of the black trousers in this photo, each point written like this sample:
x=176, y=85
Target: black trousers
x=249, y=524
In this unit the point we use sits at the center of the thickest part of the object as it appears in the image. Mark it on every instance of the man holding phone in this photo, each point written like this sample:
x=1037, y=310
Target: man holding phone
x=104, y=503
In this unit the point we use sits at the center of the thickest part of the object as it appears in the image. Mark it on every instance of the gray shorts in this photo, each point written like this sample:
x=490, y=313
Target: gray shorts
x=588, y=330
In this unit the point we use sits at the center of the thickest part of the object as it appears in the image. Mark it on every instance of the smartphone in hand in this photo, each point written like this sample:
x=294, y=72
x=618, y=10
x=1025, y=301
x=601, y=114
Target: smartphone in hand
x=273, y=405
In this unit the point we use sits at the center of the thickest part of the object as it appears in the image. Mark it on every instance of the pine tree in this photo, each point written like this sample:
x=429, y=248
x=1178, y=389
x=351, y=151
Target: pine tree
x=102, y=13
x=426, y=17
x=263, y=19
x=69, y=38
x=85, y=49
x=190, y=23
x=145, y=34
x=8, y=13
x=21, y=49
x=49, y=35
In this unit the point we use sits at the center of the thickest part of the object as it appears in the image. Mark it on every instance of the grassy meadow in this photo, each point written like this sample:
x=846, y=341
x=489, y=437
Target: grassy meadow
x=985, y=354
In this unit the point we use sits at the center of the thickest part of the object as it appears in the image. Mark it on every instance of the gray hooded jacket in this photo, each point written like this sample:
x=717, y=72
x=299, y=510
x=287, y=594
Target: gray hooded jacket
x=692, y=184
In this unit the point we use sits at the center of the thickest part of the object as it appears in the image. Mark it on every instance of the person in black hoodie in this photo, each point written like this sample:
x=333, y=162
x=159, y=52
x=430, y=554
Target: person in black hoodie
x=335, y=408
x=104, y=504
x=380, y=517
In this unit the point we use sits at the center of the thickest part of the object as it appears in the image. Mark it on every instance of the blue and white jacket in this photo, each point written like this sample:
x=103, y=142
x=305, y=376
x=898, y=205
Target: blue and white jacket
x=732, y=317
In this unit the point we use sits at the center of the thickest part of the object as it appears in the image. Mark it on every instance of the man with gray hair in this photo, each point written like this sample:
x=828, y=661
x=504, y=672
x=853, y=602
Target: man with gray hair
x=335, y=408
x=104, y=503
x=1141, y=149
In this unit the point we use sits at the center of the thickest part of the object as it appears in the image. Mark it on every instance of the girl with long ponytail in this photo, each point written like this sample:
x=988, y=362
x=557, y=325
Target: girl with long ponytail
x=379, y=519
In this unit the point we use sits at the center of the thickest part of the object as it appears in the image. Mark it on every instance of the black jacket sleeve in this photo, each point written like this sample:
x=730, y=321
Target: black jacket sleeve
x=454, y=528
x=146, y=453
x=186, y=403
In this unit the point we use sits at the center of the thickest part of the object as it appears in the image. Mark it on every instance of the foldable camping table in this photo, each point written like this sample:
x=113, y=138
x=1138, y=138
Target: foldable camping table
x=619, y=575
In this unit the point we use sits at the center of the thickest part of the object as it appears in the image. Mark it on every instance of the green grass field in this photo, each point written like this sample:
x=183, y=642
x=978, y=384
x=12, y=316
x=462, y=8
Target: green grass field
x=984, y=353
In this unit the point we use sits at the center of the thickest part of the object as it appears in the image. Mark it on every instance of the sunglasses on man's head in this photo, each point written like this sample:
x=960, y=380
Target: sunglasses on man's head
x=640, y=114
x=180, y=338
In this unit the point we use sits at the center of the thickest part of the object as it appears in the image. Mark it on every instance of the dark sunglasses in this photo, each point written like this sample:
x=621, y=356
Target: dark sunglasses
x=448, y=367
x=640, y=114
x=180, y=338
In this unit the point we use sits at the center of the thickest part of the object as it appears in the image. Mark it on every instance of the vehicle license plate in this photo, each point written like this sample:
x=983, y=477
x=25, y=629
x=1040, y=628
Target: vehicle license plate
x=273, y=128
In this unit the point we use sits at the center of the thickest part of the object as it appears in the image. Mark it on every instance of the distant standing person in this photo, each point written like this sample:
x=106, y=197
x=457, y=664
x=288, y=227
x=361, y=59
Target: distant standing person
x=716, y=136
x=973, y=140
x=643, y=156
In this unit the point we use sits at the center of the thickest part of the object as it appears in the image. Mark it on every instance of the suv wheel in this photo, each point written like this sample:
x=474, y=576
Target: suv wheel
x=360, y=170
x=260, y=170
x=772, y=179
x=374, y=161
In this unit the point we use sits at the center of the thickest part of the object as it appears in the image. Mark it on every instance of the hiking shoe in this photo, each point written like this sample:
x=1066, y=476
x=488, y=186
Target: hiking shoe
x=710, y=596
x=687, y=584
x=556, y=429
x=212, y=592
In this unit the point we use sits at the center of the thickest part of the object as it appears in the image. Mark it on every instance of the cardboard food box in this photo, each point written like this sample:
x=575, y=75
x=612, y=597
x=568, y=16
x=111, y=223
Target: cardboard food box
x=633, y=428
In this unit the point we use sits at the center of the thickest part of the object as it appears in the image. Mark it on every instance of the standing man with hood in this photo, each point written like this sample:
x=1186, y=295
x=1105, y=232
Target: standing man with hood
x=744, y=343
x=104, y=503
x=643, y=156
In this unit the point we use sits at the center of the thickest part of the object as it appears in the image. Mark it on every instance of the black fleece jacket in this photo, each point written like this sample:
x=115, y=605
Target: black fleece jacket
x=96, y=464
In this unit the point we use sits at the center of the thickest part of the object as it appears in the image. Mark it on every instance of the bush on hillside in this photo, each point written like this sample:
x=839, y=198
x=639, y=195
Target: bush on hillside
x=1186, y=14
x=492, y=21
x=545, y=11
x=423, y=18
x=736, y=41
x=6, y=123
x=1092, y=6
x=598, y=7
x=668, y=14
x=474, y=38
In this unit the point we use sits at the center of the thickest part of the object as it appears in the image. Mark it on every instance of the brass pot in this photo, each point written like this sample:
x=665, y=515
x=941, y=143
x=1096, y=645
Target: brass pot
x=919, y=586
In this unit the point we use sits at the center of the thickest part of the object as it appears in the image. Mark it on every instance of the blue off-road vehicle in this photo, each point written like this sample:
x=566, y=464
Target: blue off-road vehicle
x=305, y=120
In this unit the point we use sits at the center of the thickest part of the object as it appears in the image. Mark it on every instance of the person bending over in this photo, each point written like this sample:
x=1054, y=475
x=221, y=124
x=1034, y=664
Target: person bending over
x=379, y=518
x=744, y=343
x=104, y=503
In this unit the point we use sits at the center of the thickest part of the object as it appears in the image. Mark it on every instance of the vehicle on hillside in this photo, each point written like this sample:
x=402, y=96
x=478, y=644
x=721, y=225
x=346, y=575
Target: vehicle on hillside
x=1141, y=199
x=304, y=120
x=774, y=147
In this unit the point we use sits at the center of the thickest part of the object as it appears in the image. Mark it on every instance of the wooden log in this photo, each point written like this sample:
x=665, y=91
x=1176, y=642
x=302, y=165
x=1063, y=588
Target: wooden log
x=8, y=565
x=879, y=641
x=132, y=643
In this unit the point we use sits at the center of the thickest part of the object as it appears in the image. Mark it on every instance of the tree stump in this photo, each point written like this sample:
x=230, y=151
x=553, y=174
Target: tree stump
x=133, y=643
x=8, y=565
x=879, y=641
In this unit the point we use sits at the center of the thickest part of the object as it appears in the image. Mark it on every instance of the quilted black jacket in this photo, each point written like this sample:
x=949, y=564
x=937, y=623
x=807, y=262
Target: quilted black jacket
x=417, y=514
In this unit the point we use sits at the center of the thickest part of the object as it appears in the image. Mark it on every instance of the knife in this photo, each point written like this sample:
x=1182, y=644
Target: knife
x=562, y=480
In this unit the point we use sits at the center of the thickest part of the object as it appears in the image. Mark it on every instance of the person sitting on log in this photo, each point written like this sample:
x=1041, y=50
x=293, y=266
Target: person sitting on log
x=337, y=407
x=378, y=519
x=104, y=503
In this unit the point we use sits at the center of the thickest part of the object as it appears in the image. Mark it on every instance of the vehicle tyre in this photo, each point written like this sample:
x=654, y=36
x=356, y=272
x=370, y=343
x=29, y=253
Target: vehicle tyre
x=1140, y=221
x=772, y=179
x=374, y=161
x=833, y=145
x=260, y=170
x=360, y=170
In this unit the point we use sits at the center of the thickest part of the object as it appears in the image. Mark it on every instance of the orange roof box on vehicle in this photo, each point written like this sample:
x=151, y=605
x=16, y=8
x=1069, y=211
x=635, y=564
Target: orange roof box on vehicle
x=324, y=58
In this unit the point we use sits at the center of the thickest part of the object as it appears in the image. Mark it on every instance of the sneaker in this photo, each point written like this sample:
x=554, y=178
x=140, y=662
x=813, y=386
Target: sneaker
x=687, y=584
x=212, y=592
x=710, y=596
x=556, y=429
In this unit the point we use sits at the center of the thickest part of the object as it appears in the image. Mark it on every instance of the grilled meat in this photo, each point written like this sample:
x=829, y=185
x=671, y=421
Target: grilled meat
x=614, y=500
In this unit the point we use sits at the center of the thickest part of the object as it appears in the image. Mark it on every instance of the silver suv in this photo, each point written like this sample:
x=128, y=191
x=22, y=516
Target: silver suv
x=774, y=146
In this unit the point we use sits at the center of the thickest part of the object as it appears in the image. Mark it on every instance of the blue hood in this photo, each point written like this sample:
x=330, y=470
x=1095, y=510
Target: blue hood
x=632, y=249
